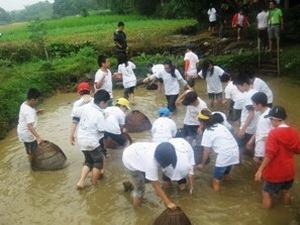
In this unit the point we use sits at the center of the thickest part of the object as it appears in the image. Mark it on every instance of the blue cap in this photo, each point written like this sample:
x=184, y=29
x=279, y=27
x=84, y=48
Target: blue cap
x=164, y=111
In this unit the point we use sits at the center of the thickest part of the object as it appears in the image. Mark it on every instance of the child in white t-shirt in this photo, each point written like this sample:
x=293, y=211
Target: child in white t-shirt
x=163, y=128
x=115, y=121
x=194, y=104
x=263, y=126
x=83, y=89
x=126, y=70
x=190, y=66
x=218, y=138
x=213, y=75
x=103, y=77
x=27, y=123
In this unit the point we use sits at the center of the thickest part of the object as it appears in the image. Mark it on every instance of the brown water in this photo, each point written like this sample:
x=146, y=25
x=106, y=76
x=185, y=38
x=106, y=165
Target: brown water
x=28, y=197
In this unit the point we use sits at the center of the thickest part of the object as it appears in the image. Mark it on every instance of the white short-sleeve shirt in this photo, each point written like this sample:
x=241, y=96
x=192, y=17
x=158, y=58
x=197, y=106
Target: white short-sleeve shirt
x=27, y=115
x=245, y=112
x=107, y=84
x=261, y=86
x=128, y=76
x=115, y=118
x=80, y=102
x=139, y=156
x=163, y=129
x=191, y=115
x=185, y=160
x=193, y=59
x=171, y=84
x=225, y=122
x=157, y=68
x=91, y=126
x=220, y=139
x=214, y=84
x=212, y=15
x=262, y=20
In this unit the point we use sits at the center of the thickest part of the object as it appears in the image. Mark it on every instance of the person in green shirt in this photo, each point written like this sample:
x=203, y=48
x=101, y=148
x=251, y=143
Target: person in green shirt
x=275, y=22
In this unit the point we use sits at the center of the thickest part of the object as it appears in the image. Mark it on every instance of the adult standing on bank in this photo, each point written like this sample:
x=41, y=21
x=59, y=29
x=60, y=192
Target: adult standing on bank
x=120, y=40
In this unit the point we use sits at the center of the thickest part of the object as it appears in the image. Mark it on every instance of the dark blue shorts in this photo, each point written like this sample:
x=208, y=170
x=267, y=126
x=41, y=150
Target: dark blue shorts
x=94, y=158
x=275, y=188
x=221, y=171
x=30, y=147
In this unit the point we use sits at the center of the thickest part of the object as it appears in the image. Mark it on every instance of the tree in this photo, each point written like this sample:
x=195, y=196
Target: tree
x=38, y=35
x=4, y=16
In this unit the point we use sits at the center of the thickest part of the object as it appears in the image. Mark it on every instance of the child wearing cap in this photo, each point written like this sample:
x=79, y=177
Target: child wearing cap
x=263, y=127
x=125, y=69
x=194, y=104
x=84, y=90
x=213, y=75
x=103, y=77
x=91, y=127
x=218, y=138
x=115, y=121
x=278, y=167
x=163, y=128
x=249, y=117
x=27, y=122
x=190, y=65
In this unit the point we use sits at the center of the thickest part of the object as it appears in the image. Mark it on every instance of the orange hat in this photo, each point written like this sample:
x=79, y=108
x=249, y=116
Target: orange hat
x=83, y=86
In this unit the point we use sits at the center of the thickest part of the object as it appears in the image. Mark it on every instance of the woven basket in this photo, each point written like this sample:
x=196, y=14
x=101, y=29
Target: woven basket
x=48, y=156
x=136, y=121
x=172, y=217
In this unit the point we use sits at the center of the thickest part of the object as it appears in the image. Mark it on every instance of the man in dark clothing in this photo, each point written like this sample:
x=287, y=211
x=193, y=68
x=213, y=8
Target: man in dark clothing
x=120, y=40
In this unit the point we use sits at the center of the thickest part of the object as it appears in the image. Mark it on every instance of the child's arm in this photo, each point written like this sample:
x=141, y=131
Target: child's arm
x=242, y=130
x=72, y=133
x=251, y=142
x=191, y=183
x=34, y=133
x=180, y=98
x=264, y=163
x=159, y=191
x=205, y=156
x=100, y=82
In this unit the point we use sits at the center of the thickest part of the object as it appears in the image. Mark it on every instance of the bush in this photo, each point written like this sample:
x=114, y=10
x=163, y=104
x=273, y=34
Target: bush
x=292, y=24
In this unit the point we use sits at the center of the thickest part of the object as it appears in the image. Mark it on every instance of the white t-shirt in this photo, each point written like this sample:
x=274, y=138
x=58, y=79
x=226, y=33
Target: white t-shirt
x=191, y=115
x=27, y=115
x=262, y=130
x=157, y=68
x=261, y=86
x=85, y=99
x=115, y=118
x=185, y=160
x=240, y=20
x=107, y=84
x=139, y=156
x=214, y=84
x=163, y=129
x=212, y=15
x=262, y=20
x=233, y=93
x=171, y=84
x=223, y=143
x=128, y=76
x=225, y=122
x=91, y=126
x=245, y=112
x=193, y=59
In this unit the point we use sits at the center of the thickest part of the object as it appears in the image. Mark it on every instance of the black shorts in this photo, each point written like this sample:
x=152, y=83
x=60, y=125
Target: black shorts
x=275, y=188
x=167, y=179
x=243, y=141
x=191, y=82
x=128, y=91
x=94, y=158
x=30, y=147
x=213, y=23
x=119, y=138
x=190, y=130
x=213, y=96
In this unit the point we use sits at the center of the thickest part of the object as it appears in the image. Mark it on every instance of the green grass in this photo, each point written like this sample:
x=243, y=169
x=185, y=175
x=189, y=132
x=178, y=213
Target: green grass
x=95, y=28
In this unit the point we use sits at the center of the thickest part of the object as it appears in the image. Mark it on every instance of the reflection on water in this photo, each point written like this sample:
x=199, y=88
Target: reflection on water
x=29, y=197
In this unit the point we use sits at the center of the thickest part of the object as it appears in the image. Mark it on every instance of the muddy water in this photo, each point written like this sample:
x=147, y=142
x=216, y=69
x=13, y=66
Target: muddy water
x=48, y=198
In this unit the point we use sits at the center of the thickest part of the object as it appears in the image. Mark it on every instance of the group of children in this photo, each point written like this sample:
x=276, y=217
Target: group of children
x=248, y=98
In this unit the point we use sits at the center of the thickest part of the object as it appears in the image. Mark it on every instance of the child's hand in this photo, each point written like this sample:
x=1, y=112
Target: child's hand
x=72, y=140
x=172, y=206
x=40, y=111
x=241, y=133
x=39, y=140
x=258, y=175
x=249, y=145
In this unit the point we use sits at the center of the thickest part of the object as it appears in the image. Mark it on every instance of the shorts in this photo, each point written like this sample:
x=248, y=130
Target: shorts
x=167, y=179
x=30, y=147
x=275, y=188
x=219, y=172
x=239, y=27
x=212, y=23
x=94, y=158
x=128, y=91
x=171, y=99
x=191, y=82
x=234, y=114
x=243, y=141
x=139, y=180
x=213, y=96
x=190, y=130
x=274, y=31
x=263, y=36
x=119, y=138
